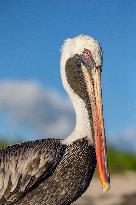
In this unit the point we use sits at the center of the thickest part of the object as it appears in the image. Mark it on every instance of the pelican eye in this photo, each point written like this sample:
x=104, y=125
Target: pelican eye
x=87, y=53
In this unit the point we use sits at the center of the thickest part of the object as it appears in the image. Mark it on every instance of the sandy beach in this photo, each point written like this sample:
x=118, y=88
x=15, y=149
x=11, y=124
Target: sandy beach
x=122, y=191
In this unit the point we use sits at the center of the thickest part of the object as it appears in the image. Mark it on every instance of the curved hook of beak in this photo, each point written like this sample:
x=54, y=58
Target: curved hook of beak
x=93, y=86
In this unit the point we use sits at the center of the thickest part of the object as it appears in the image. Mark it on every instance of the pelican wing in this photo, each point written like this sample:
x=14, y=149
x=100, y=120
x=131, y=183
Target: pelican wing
x=23, y=165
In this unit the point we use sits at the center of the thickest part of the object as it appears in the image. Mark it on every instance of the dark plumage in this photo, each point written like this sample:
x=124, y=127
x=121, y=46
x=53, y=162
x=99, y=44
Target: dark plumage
x=62, y=176
x=70, y=179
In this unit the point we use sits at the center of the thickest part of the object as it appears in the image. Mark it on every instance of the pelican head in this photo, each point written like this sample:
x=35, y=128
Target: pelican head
x=81, y=66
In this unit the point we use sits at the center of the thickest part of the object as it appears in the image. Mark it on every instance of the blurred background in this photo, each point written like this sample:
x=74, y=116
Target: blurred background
x=33, y=103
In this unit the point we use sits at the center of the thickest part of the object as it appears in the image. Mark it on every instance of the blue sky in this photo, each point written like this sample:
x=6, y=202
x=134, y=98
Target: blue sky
x=31, y=35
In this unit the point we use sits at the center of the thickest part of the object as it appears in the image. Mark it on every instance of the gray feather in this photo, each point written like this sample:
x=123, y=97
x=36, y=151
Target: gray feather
x=22, y=165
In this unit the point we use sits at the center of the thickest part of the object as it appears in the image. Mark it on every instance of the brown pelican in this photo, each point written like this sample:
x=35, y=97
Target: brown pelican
x=57, y=172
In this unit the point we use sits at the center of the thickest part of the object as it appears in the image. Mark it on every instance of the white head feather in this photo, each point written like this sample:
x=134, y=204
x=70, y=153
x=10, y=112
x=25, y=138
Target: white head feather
x=77, y=45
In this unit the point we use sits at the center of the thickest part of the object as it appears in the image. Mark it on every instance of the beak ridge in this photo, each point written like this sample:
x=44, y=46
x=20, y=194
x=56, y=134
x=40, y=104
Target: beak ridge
x=93, y=86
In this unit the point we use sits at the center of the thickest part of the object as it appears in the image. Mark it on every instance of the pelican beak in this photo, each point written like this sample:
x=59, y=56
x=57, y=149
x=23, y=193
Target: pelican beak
x=92, y=78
